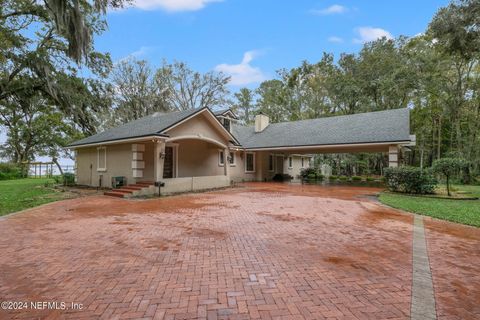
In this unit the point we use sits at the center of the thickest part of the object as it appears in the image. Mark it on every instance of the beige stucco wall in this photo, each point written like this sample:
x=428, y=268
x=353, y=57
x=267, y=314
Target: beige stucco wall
x=198, y=126
x=119, y=163
x=262, y=171
x=198, y=158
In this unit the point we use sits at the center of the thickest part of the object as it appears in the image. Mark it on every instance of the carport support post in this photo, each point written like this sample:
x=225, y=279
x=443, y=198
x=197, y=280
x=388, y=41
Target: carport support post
x=393, y=156
x=159, y=150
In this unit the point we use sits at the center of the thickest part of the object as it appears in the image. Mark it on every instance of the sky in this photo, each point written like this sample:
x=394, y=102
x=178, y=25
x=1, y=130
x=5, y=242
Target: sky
x=250, y=40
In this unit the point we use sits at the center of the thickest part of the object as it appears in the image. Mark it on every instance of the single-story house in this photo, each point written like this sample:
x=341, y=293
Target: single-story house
x=201, y=149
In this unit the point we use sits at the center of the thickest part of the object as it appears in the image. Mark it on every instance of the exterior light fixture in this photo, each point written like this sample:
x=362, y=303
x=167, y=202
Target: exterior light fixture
x=162, y=155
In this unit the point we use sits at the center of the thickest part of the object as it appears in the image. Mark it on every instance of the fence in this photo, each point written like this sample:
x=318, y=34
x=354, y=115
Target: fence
x=47, y=169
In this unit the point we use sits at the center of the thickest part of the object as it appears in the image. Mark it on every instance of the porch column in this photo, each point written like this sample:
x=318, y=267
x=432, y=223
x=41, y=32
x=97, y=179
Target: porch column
x=393, y=156
x=226, y=161
x=158, y=149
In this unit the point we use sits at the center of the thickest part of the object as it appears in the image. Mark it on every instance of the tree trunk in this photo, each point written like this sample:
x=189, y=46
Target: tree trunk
x=55, y=160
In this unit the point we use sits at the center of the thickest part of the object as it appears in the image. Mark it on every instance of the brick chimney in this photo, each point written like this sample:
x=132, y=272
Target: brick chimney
x=261, y=122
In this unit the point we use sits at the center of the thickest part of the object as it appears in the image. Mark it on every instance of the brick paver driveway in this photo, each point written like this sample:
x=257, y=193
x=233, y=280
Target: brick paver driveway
x=268, y=251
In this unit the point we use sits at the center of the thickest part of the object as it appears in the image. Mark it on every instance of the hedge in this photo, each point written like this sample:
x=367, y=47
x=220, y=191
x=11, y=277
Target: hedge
x=409, y=180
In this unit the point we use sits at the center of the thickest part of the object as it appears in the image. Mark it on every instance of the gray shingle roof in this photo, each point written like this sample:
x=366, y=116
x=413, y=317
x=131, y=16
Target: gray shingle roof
x=146, y=126
x=380, y=126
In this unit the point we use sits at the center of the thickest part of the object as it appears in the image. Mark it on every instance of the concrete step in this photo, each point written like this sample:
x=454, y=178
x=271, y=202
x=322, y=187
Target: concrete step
x=145, y=183
x=122, y=190
x=114, y=194
x=132, y=187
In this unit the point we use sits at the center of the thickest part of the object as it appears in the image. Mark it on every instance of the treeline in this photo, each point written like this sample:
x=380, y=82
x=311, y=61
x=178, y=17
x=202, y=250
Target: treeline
x=436, y=75
x=45, y=104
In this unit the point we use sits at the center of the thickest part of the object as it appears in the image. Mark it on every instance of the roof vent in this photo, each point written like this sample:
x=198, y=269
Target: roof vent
x=261, y=122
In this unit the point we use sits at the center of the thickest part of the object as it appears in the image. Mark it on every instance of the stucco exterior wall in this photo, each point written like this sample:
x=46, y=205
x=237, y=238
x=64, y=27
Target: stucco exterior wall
x=198, y=158
x=198, y=126
x=262, y=171
x=119, y=163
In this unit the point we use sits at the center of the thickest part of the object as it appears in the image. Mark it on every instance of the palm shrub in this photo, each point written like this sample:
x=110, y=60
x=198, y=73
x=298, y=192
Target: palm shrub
x=409, y=180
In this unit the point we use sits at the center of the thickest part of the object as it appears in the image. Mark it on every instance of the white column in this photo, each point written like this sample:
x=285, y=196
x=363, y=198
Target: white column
x=393, y=156
x=158, y=149
x=226, y=161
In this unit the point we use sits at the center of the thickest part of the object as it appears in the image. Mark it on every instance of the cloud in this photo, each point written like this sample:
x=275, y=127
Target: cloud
x=368, y=34
x=172, y=5
x=143, y=51
x=243, y=73
x=333, y=9
x=335, y=39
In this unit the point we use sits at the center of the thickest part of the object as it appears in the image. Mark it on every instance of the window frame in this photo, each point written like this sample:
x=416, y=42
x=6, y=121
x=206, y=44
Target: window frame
x=104, y=169
x=221, y=158
x=290, y=162
x=233, y=156
x=246, y=162
x=303, y=162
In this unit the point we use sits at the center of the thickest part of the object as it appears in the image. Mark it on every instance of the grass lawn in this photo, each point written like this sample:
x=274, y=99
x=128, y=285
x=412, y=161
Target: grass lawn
x=460, y=211
x=16, y=195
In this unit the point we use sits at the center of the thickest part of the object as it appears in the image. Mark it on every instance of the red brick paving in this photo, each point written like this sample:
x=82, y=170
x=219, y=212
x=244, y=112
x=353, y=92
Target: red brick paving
x=267, y=251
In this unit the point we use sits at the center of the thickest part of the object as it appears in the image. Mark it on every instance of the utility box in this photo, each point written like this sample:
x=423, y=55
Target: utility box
x=118, y=182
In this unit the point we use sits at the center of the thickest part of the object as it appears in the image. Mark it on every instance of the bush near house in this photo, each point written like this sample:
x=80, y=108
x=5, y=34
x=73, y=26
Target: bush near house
x=332, y=177
x=409, y=180
x=356, y=178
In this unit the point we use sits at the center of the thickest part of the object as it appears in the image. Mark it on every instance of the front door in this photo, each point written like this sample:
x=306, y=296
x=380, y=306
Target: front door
x=279, y=165
x=168, y=163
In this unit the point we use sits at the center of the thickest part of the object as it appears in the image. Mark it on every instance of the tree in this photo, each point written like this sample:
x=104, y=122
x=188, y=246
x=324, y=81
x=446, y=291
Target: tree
x=448, y=167
x=35, y=127
x=136, y=93
x=40, y=43
x=271, y=100
x=244, y=106
x=186, y=89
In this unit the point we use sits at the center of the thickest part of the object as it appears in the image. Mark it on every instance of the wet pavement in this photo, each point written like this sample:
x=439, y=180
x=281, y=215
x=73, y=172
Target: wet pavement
x=262, y=250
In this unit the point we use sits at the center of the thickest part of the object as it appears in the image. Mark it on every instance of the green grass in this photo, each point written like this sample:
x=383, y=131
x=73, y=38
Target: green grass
x=16, y=195
x=460, y=211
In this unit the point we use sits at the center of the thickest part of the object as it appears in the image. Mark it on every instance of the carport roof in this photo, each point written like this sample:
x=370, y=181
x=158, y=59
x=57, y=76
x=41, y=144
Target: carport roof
x=372, y=127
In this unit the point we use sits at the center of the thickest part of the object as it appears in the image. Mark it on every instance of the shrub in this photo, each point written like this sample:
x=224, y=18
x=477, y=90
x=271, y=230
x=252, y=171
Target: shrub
x=448, y=167
x=332, y=177
x=409, y=180
x=282, y=177
x=343, y=178
x=9, y=171
x=320, y=176
x=356, y=178
x=312, y=176
x=68, y=179
x=307, y=172
x=370, y=179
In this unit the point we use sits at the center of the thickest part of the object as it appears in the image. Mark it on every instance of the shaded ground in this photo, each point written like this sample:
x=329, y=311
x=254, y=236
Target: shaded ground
x=263, y=250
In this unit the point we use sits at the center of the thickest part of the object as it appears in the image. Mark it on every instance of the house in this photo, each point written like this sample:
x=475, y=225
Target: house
x=200, y=149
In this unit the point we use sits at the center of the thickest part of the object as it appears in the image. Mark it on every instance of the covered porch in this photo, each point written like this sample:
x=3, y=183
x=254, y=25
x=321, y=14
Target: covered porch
x=181, y=164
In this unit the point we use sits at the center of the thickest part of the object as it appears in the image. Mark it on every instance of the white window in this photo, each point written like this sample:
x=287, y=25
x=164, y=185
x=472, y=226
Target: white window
x=270, y=162
x=102, y=159
x=231, y=159
x=250, y=162
x=221, y=158
x=290, y=162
